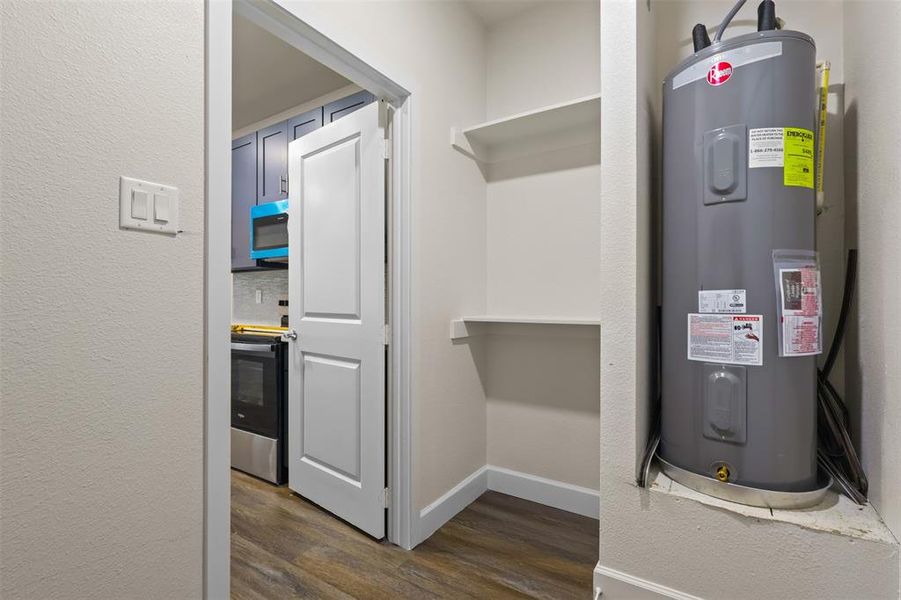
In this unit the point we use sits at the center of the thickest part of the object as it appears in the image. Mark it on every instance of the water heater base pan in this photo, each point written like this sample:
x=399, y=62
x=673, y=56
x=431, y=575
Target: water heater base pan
x=748, y=495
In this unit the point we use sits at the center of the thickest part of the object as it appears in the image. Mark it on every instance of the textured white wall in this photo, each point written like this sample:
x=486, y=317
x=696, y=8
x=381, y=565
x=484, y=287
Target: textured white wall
x=435, y=49
x=625, y=165
x=649, y=535
x=101, y=358
x=543, y=253
x=719, y=555
x=872, y=131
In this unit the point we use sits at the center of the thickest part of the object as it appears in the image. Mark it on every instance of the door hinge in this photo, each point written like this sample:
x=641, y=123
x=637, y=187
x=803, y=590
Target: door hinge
x=386, y=145
x=387, y=334
x=386, y=497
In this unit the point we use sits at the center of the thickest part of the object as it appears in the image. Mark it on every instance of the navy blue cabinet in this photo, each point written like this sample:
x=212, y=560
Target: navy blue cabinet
x=244, y=195
x=340, y=108
x=303, y=124
x=260, y=168
x=272, y=163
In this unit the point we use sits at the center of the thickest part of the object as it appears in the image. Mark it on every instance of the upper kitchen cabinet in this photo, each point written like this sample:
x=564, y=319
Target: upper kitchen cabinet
x=244, y=196
x=339, y=108
x=260, y=168
x=272, y=163
x=303, y=124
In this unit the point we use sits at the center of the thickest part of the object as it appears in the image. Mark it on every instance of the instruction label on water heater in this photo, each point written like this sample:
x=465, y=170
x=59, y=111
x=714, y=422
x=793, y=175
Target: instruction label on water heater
x=728, y=339
x=766, y=147
x=801, y=309
x=790, y=148
x=722, y=301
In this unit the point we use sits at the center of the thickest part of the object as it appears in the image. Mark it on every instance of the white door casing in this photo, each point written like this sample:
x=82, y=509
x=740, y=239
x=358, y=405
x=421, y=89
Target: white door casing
x=336, y=232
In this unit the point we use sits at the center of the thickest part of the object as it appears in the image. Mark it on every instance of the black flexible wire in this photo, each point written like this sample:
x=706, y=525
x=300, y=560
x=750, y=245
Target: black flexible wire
x=654, y=434
x=836, y=453
x=847, y=297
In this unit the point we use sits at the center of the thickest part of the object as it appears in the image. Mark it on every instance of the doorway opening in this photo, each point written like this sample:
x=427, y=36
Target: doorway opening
x=273, y=84
x=475, y=514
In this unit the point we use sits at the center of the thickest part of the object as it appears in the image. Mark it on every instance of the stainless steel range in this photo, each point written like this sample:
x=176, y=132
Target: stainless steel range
x=259, y=406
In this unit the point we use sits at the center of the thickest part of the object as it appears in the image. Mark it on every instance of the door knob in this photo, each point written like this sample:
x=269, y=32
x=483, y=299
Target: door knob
x=289, y=336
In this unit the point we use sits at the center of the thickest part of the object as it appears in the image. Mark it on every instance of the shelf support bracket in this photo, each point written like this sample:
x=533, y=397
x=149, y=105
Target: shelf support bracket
x=460, y=329
x=461, y=144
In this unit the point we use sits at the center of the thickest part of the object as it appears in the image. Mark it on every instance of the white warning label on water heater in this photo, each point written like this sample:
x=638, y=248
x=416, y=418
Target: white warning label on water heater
x=722, y=301
x=729, y=339
x=766, y=147
x=801, y=307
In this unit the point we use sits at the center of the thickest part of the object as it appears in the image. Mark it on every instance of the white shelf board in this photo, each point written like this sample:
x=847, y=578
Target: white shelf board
x=467, y=326
x=553, y=127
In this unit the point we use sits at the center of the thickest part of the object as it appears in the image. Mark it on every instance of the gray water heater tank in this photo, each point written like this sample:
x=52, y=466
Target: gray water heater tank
x=738, y=116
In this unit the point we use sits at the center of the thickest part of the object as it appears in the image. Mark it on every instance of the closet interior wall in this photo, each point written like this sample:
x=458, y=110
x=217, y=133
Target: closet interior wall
x=543, y=252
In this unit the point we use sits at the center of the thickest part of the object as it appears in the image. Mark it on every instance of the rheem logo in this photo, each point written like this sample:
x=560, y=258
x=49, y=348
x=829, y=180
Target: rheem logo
x=719, y=73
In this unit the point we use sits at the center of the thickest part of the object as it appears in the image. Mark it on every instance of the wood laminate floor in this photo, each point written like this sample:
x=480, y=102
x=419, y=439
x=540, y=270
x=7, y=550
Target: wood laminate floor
x=498, y=547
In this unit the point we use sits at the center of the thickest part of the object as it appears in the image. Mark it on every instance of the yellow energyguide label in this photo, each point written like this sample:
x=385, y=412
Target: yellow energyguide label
x=798, y=157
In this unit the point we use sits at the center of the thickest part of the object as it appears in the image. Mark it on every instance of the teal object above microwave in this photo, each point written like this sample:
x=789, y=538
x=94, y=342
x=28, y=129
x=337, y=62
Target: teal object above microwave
x=269, y=231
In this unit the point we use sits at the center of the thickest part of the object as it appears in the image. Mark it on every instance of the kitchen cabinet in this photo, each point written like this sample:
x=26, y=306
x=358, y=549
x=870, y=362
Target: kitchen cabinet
x=303, y=124
x=339, y=108
x=260, y=168
x=244, y=195
x=272, y=163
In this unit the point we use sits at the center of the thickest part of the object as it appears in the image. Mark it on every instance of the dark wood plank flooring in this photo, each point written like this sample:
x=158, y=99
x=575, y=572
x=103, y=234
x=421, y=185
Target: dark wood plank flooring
x=499, y=547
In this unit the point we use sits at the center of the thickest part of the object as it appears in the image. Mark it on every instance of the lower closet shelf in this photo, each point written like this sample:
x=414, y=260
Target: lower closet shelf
x=474, y=325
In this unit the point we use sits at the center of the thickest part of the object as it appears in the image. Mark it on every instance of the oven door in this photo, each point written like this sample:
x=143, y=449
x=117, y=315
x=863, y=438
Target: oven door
x=256, y=387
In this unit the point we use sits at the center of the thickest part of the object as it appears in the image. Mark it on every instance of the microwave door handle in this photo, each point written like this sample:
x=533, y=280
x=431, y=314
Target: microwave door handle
x=253, y=347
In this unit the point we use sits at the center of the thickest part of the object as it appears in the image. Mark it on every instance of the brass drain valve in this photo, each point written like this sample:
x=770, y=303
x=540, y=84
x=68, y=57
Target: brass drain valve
x=722, y=473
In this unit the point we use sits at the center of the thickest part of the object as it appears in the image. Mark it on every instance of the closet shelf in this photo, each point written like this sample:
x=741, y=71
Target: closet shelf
x=553, y=127
x=466, y=326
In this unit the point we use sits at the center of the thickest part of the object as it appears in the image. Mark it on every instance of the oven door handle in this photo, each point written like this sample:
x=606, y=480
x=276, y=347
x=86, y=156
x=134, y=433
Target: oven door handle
x=253, y=347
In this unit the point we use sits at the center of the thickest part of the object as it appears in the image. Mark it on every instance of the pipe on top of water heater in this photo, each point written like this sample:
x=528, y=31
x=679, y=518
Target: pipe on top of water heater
x=728, y=19
x=766, y=16
x=699, y=37
x=766, y=21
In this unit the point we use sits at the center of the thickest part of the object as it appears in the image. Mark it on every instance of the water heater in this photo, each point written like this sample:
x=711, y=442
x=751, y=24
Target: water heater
x=738, y=387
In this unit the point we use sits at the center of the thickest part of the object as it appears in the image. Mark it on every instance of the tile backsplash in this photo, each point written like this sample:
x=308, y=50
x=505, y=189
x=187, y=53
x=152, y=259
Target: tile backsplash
x=274, y=287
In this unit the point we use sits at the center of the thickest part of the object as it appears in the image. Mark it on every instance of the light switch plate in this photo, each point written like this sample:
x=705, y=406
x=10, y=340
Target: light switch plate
x=129, y=217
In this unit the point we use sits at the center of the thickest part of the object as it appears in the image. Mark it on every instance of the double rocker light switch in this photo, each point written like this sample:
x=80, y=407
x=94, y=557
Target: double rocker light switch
x=147, y=206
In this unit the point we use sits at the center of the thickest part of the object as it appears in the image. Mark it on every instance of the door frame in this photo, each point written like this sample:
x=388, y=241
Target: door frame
x=217, y=269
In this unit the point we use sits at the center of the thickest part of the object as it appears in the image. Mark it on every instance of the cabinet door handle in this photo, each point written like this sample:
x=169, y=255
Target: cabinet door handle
x=283, y=184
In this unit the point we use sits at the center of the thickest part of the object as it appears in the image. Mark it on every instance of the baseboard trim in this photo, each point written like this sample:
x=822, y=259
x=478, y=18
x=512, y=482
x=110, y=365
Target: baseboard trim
x=610, y=584
x=565, y=496
x=442, y=510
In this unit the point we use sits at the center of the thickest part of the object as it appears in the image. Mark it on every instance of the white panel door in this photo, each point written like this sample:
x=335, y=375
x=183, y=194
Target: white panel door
x=336, y=406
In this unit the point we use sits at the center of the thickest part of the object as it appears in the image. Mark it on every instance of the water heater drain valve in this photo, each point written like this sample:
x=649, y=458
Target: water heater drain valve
x=723, y=473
